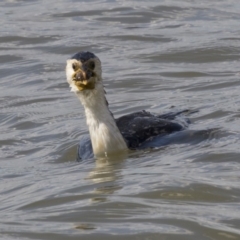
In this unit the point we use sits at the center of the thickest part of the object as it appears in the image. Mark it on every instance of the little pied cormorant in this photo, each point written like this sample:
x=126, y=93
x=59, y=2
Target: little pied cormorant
x=108, y=135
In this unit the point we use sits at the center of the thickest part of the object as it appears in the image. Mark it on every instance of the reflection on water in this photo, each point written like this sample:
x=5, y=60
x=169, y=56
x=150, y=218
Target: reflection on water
x=155, y=56
x=107, y=169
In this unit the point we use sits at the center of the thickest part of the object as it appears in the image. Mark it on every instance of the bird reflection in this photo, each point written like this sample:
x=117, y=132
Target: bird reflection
x=107, y=169
x=105, y=175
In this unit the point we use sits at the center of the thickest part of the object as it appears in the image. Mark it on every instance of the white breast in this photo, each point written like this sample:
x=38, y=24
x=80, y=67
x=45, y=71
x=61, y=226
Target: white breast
x=105, y=135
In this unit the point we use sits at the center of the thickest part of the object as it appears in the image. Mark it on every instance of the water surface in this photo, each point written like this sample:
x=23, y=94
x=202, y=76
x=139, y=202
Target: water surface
x=156, y=55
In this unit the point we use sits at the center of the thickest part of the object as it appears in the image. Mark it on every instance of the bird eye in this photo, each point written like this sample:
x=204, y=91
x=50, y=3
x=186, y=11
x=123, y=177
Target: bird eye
x=74, y=66
x=91, y=65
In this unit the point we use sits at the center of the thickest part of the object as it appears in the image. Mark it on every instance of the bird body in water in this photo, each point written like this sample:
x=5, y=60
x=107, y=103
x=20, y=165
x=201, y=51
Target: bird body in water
x=108, y=135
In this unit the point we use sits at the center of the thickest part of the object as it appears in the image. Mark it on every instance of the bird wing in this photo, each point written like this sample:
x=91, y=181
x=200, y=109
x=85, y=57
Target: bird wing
x=143, y=126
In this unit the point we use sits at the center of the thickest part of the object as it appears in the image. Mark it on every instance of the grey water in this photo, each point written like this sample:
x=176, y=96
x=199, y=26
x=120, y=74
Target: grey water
x=156, y=55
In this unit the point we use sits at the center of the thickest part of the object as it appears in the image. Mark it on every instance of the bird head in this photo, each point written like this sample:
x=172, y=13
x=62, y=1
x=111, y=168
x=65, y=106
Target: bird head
x=83, y=71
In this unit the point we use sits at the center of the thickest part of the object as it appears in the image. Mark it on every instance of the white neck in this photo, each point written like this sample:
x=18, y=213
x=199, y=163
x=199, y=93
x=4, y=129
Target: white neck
x=105, y=136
